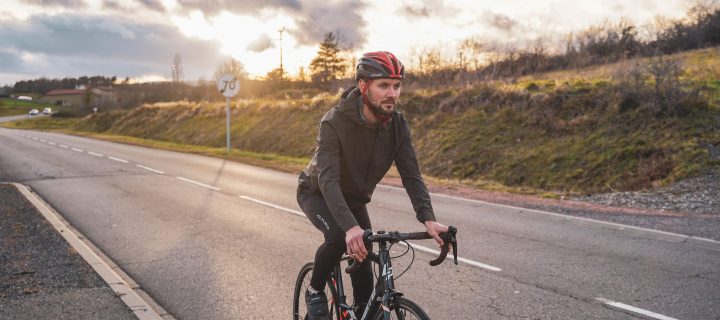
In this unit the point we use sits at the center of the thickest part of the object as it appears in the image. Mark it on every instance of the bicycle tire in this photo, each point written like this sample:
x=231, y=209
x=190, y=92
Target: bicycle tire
x=299, y=310
x=404, y=309
x=302, y=282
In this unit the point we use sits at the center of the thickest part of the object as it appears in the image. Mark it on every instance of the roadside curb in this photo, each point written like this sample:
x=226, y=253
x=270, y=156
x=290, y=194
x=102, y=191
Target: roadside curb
x=139, y=302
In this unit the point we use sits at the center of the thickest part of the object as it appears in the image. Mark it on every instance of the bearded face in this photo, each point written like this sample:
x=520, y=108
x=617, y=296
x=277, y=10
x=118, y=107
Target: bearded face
x=382, y=95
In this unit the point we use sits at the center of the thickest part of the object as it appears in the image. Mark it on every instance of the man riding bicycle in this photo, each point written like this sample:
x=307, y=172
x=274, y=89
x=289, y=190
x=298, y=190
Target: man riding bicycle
x=359, y=140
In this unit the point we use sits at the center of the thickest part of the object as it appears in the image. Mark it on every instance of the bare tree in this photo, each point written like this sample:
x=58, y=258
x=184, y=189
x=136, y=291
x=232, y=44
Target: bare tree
x=231, y=66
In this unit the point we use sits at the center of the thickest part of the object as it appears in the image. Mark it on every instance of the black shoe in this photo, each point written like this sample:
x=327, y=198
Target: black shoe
x=317, y=305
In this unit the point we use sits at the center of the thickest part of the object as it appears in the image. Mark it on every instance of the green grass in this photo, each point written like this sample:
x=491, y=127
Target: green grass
x=13, y=107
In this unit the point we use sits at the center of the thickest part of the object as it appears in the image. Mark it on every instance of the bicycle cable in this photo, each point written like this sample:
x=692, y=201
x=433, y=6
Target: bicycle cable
x=409, y=247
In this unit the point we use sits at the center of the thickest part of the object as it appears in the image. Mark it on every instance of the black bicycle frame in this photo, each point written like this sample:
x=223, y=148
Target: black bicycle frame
x=385, y=285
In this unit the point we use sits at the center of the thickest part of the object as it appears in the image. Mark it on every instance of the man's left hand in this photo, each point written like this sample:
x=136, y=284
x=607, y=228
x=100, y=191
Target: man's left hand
x=434, y=229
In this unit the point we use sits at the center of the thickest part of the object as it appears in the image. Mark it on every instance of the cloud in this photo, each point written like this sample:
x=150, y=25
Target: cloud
x=75, y=44
x=153, y=4
x=502, y=22
x=318, y=17
x=58, y=3
x=213, y=7
x=262, y=43
x=10, y=62
x=422, y=9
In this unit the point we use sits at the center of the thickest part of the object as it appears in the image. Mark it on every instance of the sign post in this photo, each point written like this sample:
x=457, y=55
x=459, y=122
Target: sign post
x=229, y=86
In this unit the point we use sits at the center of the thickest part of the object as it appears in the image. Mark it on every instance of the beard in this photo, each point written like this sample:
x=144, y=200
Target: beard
x=377, y=109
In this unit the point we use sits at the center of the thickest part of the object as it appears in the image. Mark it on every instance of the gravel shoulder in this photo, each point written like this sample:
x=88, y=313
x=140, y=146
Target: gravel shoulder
x=41, y=276
x=690, y=207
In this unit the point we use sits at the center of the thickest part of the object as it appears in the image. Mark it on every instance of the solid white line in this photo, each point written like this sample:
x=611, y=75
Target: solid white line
x=199, y=183
x=52, y=143
x=77, y=150
x=416, y=246
x=150, y=169
x=118, y=159
x=637, y=310
x=139, y=306
x=267, y=204
x=95, y=154
x=617, y=225
x=63, y=146
x=449, y=257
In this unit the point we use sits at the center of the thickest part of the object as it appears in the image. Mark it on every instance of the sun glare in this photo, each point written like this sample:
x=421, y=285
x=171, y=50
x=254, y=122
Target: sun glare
x=236, y=33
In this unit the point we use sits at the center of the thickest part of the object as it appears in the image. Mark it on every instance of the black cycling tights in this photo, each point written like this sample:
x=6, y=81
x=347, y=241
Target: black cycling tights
x=329, y=253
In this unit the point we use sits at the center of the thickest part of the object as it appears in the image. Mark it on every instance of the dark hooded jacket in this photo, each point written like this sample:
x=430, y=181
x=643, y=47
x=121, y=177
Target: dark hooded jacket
x=352, y=157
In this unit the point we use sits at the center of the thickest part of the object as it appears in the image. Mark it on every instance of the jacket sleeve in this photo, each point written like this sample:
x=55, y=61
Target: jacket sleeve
x=328, y=164
x=409, y=169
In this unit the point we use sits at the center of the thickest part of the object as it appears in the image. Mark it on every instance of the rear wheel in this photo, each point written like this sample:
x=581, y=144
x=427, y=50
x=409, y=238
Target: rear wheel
x=404, y=310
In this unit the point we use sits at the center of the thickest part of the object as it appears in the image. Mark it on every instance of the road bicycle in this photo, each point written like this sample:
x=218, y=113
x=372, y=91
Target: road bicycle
x=385, y=302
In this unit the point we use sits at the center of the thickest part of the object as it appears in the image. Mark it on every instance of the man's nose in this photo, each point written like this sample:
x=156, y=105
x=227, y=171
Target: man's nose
x=393, y=92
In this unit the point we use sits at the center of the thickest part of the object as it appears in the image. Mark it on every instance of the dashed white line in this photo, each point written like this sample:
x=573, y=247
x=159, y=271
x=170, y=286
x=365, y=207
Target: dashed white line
x=63, y=146
x=198, y=183
x=118, y=159
x=52, y=143
x=76, y=149
x=416, y=246
x=646, y=313
x=150, y=169
x=42, y=140
x=267, y=204
x=95, y=154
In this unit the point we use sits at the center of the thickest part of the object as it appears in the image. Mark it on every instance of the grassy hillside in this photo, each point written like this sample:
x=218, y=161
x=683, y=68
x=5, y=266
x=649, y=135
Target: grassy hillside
x=625, y=126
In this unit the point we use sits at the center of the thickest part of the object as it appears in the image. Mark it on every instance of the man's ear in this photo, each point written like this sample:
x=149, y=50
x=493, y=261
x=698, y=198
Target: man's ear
x=363, y=85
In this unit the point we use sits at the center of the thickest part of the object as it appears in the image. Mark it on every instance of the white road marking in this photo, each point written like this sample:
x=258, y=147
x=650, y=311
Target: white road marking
x=34, y=138
x=416, y=246
x=449, y=257
x=646, y=313
x=149, y=169
x=42, y=140
x=77, y=149
x=95, y=154
x=267, y=204
x=63, y=146
x=617, y=225
x=118, y=159
x=199, y=183
x=52, y=143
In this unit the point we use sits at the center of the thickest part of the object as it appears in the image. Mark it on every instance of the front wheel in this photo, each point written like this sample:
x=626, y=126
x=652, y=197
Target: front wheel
x=303, y=281
x=404, y=309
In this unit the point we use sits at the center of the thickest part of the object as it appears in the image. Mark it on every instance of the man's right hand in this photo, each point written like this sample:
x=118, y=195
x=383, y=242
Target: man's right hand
x=355, y=245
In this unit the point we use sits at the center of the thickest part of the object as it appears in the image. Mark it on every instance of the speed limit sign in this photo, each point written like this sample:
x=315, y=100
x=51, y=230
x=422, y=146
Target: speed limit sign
x=228, y=85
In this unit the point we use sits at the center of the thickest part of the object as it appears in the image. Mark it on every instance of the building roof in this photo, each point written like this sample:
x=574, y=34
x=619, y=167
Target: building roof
x=65, y=92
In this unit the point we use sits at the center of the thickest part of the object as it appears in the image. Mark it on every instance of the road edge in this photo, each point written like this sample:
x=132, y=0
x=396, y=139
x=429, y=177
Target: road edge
x=136, y=299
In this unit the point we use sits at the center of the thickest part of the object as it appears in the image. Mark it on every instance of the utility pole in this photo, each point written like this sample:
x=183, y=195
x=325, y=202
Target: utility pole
x=281, y=53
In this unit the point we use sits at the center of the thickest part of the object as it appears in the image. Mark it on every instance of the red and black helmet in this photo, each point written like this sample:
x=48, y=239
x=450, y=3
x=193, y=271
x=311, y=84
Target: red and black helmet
x=379, y=65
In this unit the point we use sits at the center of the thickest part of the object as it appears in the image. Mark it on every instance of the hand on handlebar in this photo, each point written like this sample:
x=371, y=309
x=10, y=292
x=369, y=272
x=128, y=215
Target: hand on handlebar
x=434, y=229
x=355, y=244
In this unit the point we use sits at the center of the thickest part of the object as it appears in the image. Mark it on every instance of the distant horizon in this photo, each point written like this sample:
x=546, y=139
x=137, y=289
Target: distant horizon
x=58, y=39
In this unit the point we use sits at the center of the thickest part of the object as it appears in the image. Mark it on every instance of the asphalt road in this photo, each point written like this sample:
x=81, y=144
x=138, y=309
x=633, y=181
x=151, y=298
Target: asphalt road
x=213, y=239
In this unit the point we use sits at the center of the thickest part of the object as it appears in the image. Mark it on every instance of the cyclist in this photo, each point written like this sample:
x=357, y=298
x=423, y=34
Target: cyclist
x=359, y=140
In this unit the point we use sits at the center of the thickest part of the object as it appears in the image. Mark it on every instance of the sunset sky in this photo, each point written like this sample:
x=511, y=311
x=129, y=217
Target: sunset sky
x=139, y=38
